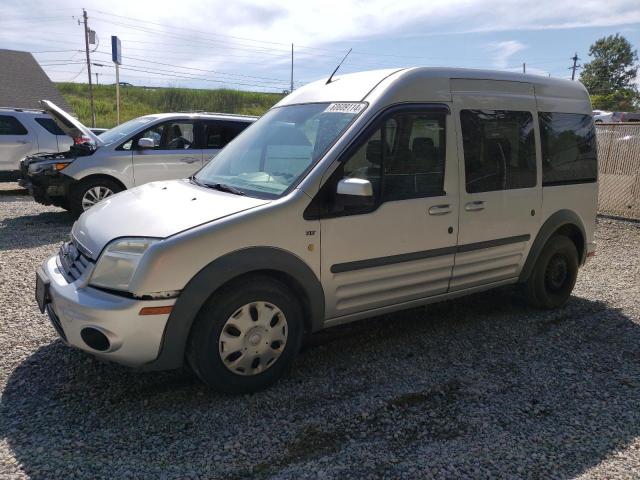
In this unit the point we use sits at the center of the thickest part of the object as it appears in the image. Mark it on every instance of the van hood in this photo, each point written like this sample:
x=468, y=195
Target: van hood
x=158, y=210
x=68, y=124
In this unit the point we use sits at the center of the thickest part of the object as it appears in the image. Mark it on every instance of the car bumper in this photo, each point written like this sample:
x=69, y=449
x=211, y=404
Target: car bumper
x=77, y=312
x=48, y=188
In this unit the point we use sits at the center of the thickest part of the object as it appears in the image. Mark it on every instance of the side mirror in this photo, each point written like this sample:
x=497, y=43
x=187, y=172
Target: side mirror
x=355, y=192
x=146, y=143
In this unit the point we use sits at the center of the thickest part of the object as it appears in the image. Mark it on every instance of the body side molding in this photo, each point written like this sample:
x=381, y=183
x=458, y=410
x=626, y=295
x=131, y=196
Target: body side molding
x=408, y=257
x=216, y=274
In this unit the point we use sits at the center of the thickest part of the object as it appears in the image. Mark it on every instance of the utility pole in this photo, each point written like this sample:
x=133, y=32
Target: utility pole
x=575, y=66
x=97, y=82
x=291, y=90
x=524, y=67
x=86, y=46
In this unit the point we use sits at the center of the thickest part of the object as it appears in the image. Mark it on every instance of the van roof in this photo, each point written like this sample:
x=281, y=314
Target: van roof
x=356, y=87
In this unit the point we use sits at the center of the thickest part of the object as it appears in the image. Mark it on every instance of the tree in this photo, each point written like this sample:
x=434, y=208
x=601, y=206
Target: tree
x=610, y=76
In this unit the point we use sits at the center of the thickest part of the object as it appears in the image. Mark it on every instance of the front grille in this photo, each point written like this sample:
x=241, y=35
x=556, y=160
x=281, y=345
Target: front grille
x=73, y=262
x=55, y=321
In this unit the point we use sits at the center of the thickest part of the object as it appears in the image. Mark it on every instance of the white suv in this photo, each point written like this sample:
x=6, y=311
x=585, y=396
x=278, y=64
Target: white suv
x=153, y=147
x=25, y=132
x=376, y=192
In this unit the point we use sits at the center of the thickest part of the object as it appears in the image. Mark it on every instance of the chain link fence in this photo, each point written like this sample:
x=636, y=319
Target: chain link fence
x=619, y=169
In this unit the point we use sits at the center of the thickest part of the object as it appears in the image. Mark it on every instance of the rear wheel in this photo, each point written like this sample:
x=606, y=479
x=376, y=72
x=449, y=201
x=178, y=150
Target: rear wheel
x=91, y=191
x=554, y=275
x=246, y=336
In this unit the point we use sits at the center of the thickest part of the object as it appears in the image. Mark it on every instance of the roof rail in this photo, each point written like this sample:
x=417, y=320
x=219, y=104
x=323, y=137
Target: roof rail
x=219, y=113
x=18, y=109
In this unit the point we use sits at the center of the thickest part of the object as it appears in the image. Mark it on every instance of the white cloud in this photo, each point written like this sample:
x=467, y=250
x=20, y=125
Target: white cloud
x=195, y=33
x=502, y=51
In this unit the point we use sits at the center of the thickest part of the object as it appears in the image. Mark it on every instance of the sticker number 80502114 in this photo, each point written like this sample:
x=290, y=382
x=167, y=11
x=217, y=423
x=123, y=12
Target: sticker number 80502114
x=345, y=108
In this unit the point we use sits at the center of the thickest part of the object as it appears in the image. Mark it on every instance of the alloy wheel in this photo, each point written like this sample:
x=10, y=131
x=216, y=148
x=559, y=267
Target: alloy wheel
x=94, y=195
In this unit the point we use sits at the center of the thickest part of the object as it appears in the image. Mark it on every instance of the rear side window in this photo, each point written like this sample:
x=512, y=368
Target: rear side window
x=50, y=126
x=568, y=142
x=10, y=125
x=218, y=134
x=499, y=150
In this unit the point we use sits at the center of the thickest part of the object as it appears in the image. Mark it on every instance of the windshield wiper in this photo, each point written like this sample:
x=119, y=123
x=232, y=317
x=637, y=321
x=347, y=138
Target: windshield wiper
x=195, y=181
x=223, y=187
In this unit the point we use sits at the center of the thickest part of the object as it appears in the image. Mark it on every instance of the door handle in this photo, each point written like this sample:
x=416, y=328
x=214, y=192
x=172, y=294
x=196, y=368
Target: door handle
x=474, y=206
x=189, y=160
x=440, y=210
x=23, y=142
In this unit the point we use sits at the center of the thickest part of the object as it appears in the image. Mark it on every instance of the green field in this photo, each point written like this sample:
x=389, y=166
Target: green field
x=136, y=101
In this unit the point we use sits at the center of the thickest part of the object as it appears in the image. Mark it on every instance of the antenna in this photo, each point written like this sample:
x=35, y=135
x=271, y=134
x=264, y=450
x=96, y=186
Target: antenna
x=334, y=72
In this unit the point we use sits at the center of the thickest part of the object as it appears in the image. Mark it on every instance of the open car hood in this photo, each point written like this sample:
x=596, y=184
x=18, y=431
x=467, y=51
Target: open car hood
x=68, y=124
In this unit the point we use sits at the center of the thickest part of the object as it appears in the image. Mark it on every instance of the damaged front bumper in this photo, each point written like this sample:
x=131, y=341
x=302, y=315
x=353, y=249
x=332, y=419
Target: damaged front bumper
x=47, y=185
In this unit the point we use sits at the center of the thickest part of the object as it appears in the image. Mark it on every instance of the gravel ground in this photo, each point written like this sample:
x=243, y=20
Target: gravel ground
x=480, y=387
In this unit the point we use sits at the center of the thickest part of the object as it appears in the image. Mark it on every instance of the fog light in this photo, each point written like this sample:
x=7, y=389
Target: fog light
x=95, y=339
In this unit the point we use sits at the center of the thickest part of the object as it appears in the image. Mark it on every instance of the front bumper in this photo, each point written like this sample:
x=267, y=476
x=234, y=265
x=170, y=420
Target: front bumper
x=48, y=188
x=134, y=340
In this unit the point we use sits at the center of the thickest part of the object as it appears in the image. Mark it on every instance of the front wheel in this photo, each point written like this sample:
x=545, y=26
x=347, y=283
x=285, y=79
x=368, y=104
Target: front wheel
x=91, y=191
x=246, y=335
x=554, y=275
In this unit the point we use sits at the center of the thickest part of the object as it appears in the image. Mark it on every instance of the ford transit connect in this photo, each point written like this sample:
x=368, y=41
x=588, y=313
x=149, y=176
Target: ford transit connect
x=375, y=192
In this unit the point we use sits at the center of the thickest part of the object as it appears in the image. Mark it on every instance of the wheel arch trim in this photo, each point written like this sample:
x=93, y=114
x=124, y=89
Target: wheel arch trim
x=93, y=176
x=220, y=272
x=554, y=223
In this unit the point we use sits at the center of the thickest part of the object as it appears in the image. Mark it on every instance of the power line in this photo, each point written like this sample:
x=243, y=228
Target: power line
x=169, y=73
x=192, y=30
x=199, y=69
x=304, y=47
x=77, y=74
x=252, y=48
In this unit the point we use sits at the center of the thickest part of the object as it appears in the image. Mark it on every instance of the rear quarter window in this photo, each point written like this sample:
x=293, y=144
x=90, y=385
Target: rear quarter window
x=218, y=134
x=10, y=125
x=50, y=126
x=569, y=154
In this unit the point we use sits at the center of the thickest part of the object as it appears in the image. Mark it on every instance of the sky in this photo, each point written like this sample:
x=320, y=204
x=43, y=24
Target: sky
x=246, y=44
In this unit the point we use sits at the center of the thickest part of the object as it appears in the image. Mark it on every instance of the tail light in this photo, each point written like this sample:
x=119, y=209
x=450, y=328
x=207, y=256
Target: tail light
x=81, y=140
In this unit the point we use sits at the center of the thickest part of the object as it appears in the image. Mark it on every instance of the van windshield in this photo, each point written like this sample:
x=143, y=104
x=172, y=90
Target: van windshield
x=273, y=153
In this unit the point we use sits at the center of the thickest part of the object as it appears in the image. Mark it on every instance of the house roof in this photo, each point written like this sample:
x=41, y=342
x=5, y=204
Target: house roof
x=23, y=83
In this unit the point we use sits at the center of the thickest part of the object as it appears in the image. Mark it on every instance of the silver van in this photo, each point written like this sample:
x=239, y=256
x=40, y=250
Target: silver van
x=163, y=146
x=371, y=193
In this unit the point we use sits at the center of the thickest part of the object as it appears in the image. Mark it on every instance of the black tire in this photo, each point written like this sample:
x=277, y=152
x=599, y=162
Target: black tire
x=81, y=188
x=554, y=275
x=203, y=349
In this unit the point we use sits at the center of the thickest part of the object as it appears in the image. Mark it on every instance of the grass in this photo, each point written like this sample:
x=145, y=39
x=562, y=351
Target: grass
x=137, y=101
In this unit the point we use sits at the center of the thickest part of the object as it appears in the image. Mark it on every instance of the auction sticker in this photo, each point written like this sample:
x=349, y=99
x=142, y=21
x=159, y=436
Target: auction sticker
x=345, y=108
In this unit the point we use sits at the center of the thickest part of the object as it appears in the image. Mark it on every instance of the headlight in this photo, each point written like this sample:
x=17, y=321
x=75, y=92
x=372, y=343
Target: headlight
x=119, y=261
x=39, y=167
